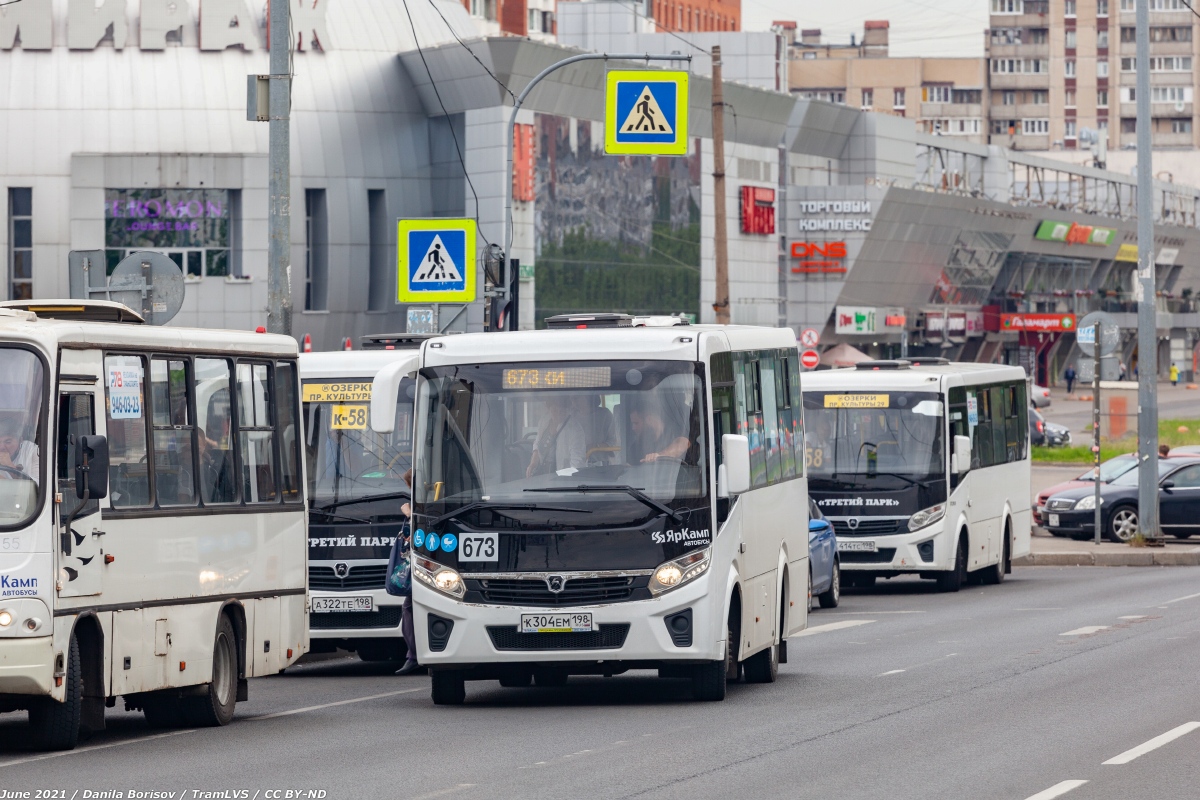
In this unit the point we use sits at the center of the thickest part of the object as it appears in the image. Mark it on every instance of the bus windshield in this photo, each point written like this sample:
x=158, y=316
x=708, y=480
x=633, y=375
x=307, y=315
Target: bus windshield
x=21, y=399
x=890, y=439
x=618, y=441
x=348, y=463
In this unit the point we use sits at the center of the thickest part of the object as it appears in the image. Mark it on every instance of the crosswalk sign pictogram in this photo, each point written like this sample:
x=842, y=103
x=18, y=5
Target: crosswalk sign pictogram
x=436, y=261
x=646, y=113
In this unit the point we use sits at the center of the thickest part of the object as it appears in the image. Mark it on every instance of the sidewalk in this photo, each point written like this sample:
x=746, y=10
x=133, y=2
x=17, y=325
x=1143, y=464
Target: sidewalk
x=1051, y=551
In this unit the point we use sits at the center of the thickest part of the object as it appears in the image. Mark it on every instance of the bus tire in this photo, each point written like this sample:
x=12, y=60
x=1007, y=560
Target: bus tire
x=763, y=666
x=994, y=575
x=448, y=687
x=833, y=595
x=55, y=725
x=953, y=580
x=215, y=707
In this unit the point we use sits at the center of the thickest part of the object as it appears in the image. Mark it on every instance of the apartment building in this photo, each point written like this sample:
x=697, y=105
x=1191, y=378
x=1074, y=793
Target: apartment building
x=943, y=96
x=1060, y=71
x=532, y=18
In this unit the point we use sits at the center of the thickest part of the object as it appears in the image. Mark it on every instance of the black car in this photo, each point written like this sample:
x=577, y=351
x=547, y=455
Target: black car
x=1072, y=513
x=1049, y=434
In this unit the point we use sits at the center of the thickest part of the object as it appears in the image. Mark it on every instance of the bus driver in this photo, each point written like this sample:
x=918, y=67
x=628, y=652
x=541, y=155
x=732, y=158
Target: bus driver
x=18, y=457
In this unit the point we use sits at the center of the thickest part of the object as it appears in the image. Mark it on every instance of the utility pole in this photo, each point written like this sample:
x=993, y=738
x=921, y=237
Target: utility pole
x=721, y=301
x=279, y=248
x=1098, y=516
x=1147, y=312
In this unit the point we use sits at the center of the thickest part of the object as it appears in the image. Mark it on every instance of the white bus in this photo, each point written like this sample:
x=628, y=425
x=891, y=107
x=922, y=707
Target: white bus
x=356, y=490
x=589, y=501
x=152, y=522
x=922, y=468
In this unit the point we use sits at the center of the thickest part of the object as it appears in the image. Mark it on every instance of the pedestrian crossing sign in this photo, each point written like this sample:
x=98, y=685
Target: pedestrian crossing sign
x=646, y=113
x=436, y=261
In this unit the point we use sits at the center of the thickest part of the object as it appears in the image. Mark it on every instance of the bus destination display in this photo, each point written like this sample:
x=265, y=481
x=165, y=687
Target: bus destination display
x=856, y=401
x=557, y=378
x=349, y=392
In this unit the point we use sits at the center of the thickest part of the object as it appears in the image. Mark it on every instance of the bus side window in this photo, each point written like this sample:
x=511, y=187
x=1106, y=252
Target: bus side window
x=1012, y=433
x=768, y=370
x=797, y=412
x=784, y=367
x=256, y=433
x=75, y=419
x=215, y=423
x=959, y=424
x=1021, y=404
x=721, y=376
x=981, y=446
x=997, y=397
x=174, y=471
x=285, y=413
x=748, y=375
x=129, y=467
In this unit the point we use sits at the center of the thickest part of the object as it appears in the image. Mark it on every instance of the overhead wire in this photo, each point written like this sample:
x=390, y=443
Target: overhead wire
x=454, y=33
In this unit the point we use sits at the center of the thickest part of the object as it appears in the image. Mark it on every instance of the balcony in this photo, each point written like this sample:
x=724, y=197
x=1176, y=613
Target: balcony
x=1022, y=141
x=1023, y=110
x=950, y=110
x=1024, y=80
x=1170, y=48
x=1018, y=51
x=1181, y=140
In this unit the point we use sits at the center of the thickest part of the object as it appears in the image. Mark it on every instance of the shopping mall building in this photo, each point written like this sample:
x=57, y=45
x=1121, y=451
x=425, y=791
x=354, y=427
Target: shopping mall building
x=125, y=129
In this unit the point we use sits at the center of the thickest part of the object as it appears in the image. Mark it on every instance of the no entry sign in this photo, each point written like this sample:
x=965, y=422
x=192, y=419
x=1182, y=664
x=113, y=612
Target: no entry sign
x=809, y=359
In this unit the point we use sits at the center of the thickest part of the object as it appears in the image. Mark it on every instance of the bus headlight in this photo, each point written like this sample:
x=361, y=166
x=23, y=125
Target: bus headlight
x=438, y=576
x=6, y=618
x=926, y=516
x=678, y=572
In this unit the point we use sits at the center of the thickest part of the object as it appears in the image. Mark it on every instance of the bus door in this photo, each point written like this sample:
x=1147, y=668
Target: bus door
x=79, y=412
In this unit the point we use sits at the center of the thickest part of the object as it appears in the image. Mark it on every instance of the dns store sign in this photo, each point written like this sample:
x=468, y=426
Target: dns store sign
x=819, y=257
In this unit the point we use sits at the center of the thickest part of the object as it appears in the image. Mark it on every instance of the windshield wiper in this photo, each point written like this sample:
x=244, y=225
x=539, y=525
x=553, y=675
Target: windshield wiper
x=911, y=481
x=368, y=499
x=478, y=504
x=632, y=491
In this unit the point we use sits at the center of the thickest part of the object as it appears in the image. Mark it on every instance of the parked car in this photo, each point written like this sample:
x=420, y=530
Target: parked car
x=1115, y=467
x=825, y=574
x=1047, y=434
x=1072, y=513
x=1039, y=396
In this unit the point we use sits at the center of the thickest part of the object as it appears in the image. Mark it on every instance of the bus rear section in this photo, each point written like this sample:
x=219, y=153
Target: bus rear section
x=356, y=494
x=921, y=469
x=595, y=501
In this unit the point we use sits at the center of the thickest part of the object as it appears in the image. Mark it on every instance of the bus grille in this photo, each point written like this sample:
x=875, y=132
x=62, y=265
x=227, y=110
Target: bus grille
x=609, y=637
x=368, y=576
x=868, y=527
x=385, y=617
x=883, y=556
x=576, y=591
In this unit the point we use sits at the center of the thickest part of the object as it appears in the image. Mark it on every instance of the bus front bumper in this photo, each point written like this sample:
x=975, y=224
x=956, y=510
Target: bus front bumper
x=928, y=549
x=27, y=665
x=381, y=623
x=488, y=634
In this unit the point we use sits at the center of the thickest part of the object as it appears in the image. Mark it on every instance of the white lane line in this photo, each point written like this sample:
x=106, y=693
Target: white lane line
x=868, y=611
x=81, y=750
x=890, y=672
x=331, y=705
x=443, y=792
x=1154, y=744
x=832, y=626
x=1053, y=608
x=1181, y=599
x=1085, y=630
x=1057, y=790
x=1135, y=616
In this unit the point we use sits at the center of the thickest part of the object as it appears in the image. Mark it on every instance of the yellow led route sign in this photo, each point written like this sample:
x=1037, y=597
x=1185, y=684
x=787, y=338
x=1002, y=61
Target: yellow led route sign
x=646, y=113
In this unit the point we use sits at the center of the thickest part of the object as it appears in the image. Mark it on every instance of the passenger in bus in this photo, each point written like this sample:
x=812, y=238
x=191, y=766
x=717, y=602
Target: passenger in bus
x=653, y=436
x=17, y=455
x=602, y=445
x=216, y=461
x=561, y=443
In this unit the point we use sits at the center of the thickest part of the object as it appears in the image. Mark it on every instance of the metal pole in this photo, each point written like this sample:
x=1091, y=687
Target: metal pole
x=512, y=124
x=1096, y=424
x=720, y=238
x=279, y=247
x=1148, y=525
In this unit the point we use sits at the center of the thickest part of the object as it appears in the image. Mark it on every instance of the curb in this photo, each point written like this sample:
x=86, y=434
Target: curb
x=1134, y=558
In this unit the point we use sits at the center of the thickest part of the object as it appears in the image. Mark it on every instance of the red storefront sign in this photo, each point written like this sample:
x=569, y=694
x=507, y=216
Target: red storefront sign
x=758, y=210
x=1040, y=323
x=819, y=257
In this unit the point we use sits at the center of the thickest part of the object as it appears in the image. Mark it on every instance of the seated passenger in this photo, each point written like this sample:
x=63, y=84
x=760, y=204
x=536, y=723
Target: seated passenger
x=601, y=432
x=653, y=436
x=561, y=443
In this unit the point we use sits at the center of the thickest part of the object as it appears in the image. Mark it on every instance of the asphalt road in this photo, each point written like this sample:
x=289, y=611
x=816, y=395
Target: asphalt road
x=996, y=692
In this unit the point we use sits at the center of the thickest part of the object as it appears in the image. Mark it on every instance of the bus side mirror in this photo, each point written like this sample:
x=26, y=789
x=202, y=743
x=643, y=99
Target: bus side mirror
x=734, y=475
x=385, y=392
x=962, y=454
x=91, y=467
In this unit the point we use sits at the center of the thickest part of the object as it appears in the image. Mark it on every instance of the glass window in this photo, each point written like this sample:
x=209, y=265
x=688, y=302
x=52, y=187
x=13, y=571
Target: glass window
x=316, y=250
x=748, y=375
x=721, y=376
x=768, y=367
x=1187, y=478
x=289, y=440
x=21, y=430
x=174, y=467
x=783, y=404
x=214, y=421
x=256, y=436
x=194, y=227
x=129, y=470
x=76, y=418
x=20, y=243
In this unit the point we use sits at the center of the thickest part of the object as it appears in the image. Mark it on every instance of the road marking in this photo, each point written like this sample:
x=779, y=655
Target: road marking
x=832, y=626
x=1085, y=630
x=1154, y=744
x=1057, y=790
x=1135, y=616
x=81, y=750
x=1181, y=599
x=889, y=672
x=443, y=792
x=871, y=612
x=1054, y=608
x=331, y=705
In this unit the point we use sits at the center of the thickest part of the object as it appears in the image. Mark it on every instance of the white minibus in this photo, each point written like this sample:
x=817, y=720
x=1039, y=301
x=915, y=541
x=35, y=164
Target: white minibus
x=922, y=467
x=152, y=520
x=597, y=498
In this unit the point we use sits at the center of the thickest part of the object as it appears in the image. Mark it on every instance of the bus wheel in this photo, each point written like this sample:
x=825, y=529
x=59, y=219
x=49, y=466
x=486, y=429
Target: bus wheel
x=994, y=575
x=215, y=707
x=55, y=725
x=763, y=666
x=449, y=688
x=709, y=679
x=954, y=579
x=833, y=595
